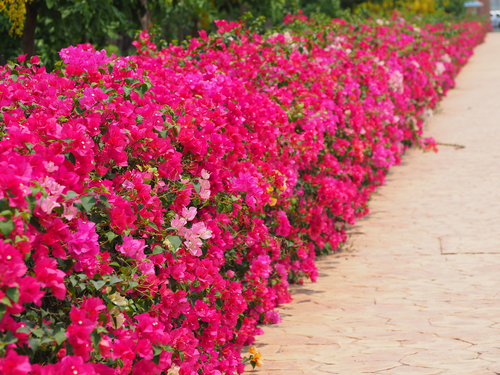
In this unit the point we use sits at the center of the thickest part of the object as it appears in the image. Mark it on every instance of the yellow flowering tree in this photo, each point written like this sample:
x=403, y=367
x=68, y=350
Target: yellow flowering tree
x=16, y=11
x=417, y=6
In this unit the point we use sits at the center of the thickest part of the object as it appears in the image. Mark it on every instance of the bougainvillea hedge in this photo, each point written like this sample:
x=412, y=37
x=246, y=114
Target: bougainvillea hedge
x=155, y=208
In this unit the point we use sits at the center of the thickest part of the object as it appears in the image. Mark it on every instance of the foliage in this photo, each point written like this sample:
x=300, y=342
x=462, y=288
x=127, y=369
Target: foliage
x=112, y=24
x=155, y=208
x=69, y=22
x=437, y=9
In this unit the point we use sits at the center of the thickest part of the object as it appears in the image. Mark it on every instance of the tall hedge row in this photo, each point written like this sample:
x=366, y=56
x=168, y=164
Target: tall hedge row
x=155, y=208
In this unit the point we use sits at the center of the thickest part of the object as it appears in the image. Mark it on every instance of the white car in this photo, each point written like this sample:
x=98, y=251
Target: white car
x=495, y=18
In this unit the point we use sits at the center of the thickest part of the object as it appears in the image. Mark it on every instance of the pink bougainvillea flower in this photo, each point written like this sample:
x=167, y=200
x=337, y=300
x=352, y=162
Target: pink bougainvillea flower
x=189, y=214
x=132, y=248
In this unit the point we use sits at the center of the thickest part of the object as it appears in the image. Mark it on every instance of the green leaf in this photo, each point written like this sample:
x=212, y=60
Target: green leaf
x=167, y=348
x=70, y=195
x=239, y=323
x=96, y=338
x=6, y=227
x=34, y=344
x=111, y=236
x=104, y=200
x=47, y=339
x=6, y=301
x=156, y=359
x=31, y=202
x=35, y=189
x=13, y=294
x=60, y=337
x=141, y=90
x=158, y=250
x=157, y=350
x=114, y=279
x=3, y=203
x=70, y=157
x=29, y=146
x=127, y=90
x=88, y=202
x=3, y=308
x=175, y=241
x=219, y=303
x=37, y=332
x=69, y=348
x=197, y=186
x=98, y=284
x=153, y=225
x=25, y=330
x=9, y=338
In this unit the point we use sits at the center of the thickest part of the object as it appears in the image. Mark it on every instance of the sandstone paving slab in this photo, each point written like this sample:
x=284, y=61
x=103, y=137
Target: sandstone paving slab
x=438, y=343
x=358, y=367
x=416, y=289
x=410, y=370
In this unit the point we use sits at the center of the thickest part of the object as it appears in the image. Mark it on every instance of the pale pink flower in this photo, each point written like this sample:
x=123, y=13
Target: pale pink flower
x=204, y=194
x=440, y=68
x=178, y=222
x=49, y=204
x=50, y=166
x=205, y=185
x=70, y=212
x=128, y=185
x=204, y=174
x=189, y=214
x=200, y=229
x=52, y=186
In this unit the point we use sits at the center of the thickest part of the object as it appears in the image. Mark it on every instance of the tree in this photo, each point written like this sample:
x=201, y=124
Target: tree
x=15, y=10
x=49, y=25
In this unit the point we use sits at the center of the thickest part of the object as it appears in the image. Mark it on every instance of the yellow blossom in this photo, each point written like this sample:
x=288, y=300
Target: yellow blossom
x=167, y=243
x=273, y=201
x=118, y=300
x=16, y=10
x=174, y=370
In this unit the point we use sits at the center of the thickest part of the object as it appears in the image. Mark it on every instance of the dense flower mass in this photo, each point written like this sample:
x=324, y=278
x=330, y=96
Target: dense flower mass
x=155, y=208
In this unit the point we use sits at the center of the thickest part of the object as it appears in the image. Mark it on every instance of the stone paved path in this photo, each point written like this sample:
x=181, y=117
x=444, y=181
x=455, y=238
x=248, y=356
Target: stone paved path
x=420, y=291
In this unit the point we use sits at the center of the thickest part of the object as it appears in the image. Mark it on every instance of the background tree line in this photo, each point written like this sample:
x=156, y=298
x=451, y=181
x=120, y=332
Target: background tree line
x=44, y=27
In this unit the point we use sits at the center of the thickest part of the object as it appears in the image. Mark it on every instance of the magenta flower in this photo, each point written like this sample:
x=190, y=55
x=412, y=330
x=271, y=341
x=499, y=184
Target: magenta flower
x=84, y=240
x=132, y=248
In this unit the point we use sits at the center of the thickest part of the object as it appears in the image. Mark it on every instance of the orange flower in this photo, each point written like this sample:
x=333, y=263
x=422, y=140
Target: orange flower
x=257, y=357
